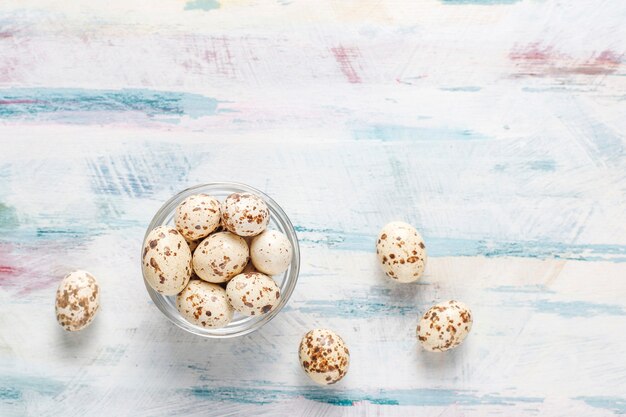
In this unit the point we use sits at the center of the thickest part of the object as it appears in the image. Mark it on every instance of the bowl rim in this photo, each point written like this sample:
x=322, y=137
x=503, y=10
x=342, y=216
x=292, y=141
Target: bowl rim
x=291, y=275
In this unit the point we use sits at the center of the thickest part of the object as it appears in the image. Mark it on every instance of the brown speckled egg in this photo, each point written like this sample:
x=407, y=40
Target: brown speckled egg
x=271, y=252
x=444, y=326
x=204, y=304
x=245, y=214
x=198, y=216
x=77, y=300
x=166, y=260
x=220, y=257
x=324, y=356
x=401, y=252
x=253, y=293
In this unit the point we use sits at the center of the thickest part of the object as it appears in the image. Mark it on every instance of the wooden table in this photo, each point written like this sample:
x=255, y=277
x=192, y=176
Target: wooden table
x=496, y=127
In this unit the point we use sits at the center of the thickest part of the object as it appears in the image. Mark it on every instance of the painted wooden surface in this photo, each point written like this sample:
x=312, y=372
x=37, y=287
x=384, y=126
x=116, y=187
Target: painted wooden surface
x=494, y=126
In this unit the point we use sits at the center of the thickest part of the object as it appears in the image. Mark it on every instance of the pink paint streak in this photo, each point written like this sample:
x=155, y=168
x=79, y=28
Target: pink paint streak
x=7, y=102
x=205, y=55
x=19, y=277
x=347, y=60
x=606, y=62
x=535, y=53
x=546, y=61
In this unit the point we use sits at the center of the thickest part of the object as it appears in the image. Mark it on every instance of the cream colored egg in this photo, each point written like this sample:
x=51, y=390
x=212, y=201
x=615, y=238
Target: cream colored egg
x=253, y=293
x=245, y=214
x=324, y=356
x=401, y=252
x=220, y=256
x=197, y=216
x=271, y=252
x=77, y=300
x=166, y=260
x=444, y=326
x=204, y=304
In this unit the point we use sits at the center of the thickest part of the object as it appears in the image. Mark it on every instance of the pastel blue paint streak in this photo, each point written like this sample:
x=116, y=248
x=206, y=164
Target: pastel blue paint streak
x=352, y=308
x=202, y=5
x=546, y=165
x=480, y=2
x=466, y=89
x=142, y=173
x=524, y=289
x=577, y=308
x=14, y=388
x=413, y=397
x=390, y=132
x=615, y=404
x=366, y=242
x=75, y=105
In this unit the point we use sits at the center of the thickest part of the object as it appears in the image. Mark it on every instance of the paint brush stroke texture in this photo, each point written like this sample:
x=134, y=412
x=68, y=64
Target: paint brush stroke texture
x=494, y=126
x=438, y=246
x=415, y=397
x=80, y=106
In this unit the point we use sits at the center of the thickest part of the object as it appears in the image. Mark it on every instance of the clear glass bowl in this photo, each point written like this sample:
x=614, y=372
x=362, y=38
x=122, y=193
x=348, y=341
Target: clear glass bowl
x=240, y=325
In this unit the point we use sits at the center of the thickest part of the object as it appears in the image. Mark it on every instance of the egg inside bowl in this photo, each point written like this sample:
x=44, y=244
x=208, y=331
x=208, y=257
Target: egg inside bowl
x=286, y=281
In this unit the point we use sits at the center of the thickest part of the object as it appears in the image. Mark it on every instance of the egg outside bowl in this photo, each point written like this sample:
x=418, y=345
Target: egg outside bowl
x=240, y=325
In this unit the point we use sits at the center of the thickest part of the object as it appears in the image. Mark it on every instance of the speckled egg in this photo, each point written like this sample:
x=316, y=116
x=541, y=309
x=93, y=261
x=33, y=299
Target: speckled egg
x=204, y=304
x=197, y=216
x=401, y=252
x=324, y=356
x=77, y=300
x=220, y=257
x=444, y=326
x=166, y=260
x=271, y=252
x=245, y=214
x=253, y=293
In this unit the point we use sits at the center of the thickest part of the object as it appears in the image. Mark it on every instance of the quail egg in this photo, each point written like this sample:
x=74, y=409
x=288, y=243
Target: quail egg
x=245, y=214
x=220, y=256
x=197, y=216
x=253, y=293
x=444, y=326
x=271, y=252
x=401, y=252
x=166, y=260
x=204, y=304
x=324, y=356
x=77, y=300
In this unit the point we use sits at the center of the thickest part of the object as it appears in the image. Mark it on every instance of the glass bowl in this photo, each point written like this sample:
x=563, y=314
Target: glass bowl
x=240, y=325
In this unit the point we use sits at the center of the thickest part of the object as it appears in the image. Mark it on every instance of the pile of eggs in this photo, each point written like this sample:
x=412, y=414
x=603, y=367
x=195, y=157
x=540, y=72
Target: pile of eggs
x=218, y=259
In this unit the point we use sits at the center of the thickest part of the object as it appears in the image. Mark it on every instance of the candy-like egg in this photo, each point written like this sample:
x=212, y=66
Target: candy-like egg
x=204, y=304
x=245, y=214
x=197, y=216
x=444, y=326
x=324, y=356
x=220, y=257
x=166, y=260
x=401, y=252
x=77, y=300
x=253, y=293
x=271, y=252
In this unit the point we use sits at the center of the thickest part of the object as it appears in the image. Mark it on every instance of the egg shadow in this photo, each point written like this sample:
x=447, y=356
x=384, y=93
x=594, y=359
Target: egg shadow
x=72, y=342
x=440, y=364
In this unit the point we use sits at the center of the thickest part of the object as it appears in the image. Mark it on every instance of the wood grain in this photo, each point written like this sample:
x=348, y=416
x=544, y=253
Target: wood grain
x=496, y=127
